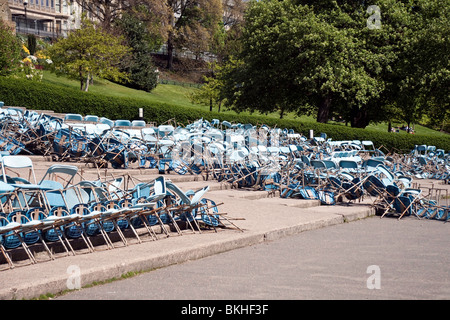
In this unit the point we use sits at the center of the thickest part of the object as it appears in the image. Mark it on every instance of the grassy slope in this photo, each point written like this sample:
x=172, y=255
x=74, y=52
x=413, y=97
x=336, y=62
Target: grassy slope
x=178, y=95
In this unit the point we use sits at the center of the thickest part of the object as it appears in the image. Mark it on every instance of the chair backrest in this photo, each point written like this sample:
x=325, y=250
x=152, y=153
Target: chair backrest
x=107, y=121
x=198, y=195
x=122, y=123
x=141, y=190
x=73, y=197
x=318, y=164
x=368, y=145
x=348, y=164
x=422, y=160
x=165, y=130
x=138, y=123
x=389, y=177
x=160, y=186
x=329, y=164
x=393, y=190
x=403, y=205
x=68, y=170
x=305, y=159
x=55, y=198
x=73, y=117
x=175, y=189
x=373, y=163
x=226, y=124
x=17, y=162
x=91, y=118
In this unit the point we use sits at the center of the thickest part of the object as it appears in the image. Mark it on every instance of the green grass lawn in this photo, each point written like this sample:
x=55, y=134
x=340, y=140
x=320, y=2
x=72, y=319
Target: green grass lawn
x=178, y=96
x=163, y=93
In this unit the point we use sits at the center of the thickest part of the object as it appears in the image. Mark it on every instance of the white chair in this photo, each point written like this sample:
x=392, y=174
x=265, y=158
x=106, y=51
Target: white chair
x=17, y=162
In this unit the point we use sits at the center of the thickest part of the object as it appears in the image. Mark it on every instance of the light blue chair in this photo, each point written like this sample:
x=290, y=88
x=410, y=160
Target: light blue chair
x=91, y=118
x=60, y=169
x=73, y=117
x=138, y=123
x=107, y=121
x=122, y=123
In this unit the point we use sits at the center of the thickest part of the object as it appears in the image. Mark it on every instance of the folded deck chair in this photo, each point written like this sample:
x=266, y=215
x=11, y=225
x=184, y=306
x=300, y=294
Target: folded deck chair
x=186, y=207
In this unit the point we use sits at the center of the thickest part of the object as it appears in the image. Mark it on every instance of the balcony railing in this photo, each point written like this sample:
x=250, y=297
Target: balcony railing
x=38, y=28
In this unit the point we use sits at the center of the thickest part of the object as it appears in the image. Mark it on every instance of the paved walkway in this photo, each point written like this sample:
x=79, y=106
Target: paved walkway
x=261, y=217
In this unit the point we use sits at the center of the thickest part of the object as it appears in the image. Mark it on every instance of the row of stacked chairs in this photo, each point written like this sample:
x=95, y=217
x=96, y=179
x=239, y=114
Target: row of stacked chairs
x=57, y=210
x=245, y=155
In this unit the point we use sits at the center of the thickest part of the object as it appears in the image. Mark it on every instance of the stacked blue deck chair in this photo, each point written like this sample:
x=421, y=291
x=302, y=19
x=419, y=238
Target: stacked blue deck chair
x=37, y=214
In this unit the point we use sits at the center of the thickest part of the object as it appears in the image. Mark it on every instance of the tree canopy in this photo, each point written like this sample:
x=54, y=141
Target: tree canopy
x=192, y=25
x=9, y=50
x=338, y=58
x=88, y=52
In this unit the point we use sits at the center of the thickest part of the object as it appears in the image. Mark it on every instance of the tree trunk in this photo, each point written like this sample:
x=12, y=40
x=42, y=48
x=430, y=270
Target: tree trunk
x=359, y=118
x=170, y=51
x=80, y=75
x=324, y=109
x=86, y=88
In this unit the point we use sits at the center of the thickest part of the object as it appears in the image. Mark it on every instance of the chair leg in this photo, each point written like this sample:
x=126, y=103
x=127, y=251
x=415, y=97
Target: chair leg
x=49, y=252
x=174, y=223
x=64, y=239
x=120, y=233
x=25, y=248
x=7, y=257
x=163, y=227
x=83, y=234
x=107, y=239
x=147, y=225
x=133, y=229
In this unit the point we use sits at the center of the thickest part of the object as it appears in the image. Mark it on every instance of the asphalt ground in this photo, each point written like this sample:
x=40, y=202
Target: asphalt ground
x=368, y=259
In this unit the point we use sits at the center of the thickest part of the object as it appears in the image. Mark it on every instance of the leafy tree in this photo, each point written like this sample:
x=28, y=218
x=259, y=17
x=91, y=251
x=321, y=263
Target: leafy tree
x=193, y=24
x=343, y=58
x=10, y=49
x=184, y=24
x=88, y=52
x=142, y=72
x=228, y=38
x=424, y=66
x=210, y=92
x=293, y=60
x=107, y=12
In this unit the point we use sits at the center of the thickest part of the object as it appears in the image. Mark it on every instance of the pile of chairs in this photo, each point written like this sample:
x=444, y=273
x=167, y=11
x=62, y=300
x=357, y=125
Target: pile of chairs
x=245, y=155
x=56, y=212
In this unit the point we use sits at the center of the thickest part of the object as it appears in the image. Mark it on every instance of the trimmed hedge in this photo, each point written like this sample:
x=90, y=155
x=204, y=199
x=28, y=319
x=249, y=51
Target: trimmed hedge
x=36, y=95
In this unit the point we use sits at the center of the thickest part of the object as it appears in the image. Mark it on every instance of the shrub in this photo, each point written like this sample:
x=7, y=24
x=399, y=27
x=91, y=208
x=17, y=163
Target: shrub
x=31, y=40
x=9, y=51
